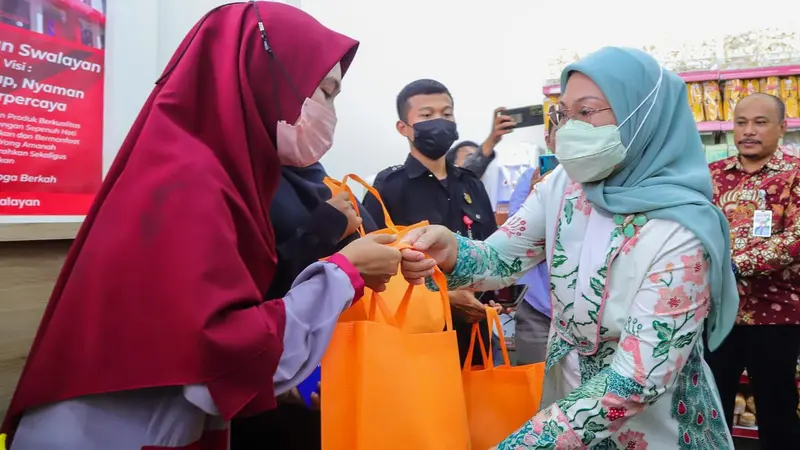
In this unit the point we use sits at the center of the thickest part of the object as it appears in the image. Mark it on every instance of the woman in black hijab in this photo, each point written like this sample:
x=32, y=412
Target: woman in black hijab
x=307, y=228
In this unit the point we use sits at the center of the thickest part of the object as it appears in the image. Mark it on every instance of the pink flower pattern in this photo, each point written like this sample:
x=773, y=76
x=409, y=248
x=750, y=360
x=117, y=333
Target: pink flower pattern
x=633, y=440
x=703, y=300
x=695, y=268
x=583, y=205
x=514, y=227
x=673, y=301
x=629, y=244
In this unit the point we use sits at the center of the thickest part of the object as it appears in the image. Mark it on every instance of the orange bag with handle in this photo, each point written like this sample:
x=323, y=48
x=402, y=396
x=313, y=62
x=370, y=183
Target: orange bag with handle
x=388, y=389
x=499, y=399
x=425, y=314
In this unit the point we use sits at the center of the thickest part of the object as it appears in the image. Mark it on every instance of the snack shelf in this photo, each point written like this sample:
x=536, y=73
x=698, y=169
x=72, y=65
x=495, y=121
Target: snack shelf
x=718, y=75
x=710, y=127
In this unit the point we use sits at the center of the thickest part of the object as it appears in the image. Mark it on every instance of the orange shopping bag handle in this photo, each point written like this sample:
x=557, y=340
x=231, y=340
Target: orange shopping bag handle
x=337, y=187
x=493, y=319
x=398, y=319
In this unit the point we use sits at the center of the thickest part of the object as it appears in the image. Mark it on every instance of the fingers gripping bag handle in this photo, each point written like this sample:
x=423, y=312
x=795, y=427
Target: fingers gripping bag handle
x=388, y=220
x=337, y=187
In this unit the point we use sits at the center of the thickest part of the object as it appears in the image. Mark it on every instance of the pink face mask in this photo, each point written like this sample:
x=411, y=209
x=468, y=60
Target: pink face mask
x=307, y=141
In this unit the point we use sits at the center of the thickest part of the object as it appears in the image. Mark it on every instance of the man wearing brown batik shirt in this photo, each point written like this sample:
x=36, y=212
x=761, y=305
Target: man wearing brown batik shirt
x=759, y=192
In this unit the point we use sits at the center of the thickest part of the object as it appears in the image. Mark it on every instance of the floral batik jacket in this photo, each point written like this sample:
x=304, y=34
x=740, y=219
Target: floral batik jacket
x=635, y=323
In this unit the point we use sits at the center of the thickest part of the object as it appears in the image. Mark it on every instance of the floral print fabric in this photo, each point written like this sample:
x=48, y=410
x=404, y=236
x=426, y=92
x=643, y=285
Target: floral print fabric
x=637, y=328
x=770, y=287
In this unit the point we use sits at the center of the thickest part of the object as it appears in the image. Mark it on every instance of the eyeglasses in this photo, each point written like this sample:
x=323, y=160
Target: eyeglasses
x=560, y=114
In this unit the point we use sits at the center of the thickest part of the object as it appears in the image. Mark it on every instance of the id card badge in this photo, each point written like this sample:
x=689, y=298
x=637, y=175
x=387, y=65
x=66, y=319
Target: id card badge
x=762, y=223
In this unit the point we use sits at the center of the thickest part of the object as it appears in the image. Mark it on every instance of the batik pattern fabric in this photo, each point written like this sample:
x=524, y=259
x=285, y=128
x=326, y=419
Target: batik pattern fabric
x=636, y=326
x=768, y=266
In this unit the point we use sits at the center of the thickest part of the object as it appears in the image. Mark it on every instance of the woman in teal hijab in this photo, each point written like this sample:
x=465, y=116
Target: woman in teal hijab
x=639, y=263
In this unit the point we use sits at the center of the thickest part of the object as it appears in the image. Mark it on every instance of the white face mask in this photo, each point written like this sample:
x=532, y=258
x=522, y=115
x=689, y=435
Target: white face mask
x=307, y=141
x=591, y=153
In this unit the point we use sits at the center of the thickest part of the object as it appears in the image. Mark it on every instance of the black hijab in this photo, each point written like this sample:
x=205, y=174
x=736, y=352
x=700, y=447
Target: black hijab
x=306, y=227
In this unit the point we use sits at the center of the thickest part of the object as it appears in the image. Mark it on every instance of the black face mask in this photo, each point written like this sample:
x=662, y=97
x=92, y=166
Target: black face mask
x=433, y=138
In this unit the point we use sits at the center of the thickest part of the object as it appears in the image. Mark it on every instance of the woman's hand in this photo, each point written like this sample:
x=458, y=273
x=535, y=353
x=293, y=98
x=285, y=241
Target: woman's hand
x=438, y=243
x=374, y=259
x=465, y=302
x=293, y=397
x=341, y=202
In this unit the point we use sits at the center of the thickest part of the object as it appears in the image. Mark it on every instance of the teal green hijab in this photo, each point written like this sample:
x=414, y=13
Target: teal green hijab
x=665, y=174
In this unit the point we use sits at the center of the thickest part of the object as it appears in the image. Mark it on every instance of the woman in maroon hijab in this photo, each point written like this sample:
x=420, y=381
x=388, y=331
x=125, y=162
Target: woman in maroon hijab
x=158, y=333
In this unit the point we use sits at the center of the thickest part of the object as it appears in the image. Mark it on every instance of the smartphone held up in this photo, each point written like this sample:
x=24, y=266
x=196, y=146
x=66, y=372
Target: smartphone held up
x=526, y=116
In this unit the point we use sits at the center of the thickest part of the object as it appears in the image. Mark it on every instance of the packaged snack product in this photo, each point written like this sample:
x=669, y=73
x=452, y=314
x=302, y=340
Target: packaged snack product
x=711, y=100
x=695, y=91
x=750, y=87
x=731, y=96
x=751, y=404
x=740, y=405
x=747, y=419
x=770, y=85
x=789, y=95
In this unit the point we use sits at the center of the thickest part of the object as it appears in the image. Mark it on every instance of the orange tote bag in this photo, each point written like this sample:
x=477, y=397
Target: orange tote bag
x=387, y=389
x=425, y=314
x=499, y=399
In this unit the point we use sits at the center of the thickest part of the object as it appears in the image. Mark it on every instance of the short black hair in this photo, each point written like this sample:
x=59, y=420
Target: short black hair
x=452, y=154
x=419, y=87
x=778, y=104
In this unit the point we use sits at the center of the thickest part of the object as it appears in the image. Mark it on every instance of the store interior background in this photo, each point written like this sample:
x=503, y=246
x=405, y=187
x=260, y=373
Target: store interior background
x=488, y=53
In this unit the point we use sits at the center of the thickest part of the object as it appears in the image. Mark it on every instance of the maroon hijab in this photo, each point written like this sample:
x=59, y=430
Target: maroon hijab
x=165, y=282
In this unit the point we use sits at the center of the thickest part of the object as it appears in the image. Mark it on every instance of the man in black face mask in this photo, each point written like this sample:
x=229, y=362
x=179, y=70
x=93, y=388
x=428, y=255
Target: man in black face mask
x=428, y=187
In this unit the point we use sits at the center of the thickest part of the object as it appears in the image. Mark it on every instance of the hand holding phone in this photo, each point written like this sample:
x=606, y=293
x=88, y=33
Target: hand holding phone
x=526, y=116
x=547, y=163
x=502, y=124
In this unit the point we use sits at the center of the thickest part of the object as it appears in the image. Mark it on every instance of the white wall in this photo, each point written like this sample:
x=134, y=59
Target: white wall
x=488, y=54
x=141, y=37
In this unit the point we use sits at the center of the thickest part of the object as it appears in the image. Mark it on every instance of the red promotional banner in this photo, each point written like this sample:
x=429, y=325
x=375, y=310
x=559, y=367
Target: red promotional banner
x=51, y=105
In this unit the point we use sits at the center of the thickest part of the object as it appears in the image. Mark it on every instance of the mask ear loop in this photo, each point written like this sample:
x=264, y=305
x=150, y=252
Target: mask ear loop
x=263, y=31
x=655, y=92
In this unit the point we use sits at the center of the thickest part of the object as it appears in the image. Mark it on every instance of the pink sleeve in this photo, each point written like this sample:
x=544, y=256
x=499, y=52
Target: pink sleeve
x=352, y=273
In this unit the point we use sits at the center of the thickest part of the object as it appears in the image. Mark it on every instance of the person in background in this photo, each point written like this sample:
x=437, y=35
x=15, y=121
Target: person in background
x=460, y=152
x=532, y=317
x=639, y=258
x=160, y=328
x=762, y=182
x=428, y=187
x=475, y=158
